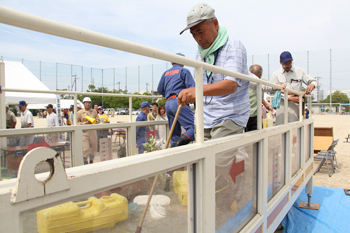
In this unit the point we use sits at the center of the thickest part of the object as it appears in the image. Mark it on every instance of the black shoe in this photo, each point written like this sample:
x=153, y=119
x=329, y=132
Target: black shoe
x=183, y=140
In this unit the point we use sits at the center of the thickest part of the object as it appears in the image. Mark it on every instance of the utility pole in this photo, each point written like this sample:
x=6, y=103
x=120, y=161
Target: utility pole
x=147, y=87
x=126, y=78
x=118, y=85
x=330, y=77
x=318, y=88
x=139, y=80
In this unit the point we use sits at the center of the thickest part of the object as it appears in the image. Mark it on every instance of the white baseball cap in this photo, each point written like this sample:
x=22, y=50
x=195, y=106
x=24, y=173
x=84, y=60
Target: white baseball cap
x=198, y=14
x=86, y=99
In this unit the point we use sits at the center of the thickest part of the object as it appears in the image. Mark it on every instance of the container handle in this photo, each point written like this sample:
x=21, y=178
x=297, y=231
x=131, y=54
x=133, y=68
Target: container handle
x=86, y=203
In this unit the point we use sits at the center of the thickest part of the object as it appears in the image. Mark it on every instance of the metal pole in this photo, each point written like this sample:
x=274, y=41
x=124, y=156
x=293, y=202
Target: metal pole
x=139, y=79
x=126, y=78
x=330, y=78
x=82, y=79
x=71, y=77
x=268, y=67
x=308, y=62
x=40, y=70
x=56, y=75
x=113, y=78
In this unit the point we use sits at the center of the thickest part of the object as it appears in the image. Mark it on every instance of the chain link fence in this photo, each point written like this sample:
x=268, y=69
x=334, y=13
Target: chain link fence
x=331, y=67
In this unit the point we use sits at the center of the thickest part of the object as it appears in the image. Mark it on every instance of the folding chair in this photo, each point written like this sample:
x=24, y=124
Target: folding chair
x=326, y=155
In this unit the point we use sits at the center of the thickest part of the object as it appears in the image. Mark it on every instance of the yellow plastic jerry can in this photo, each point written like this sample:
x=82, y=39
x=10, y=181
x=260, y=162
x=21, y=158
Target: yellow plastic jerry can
x=180, y=186
x=84, y=216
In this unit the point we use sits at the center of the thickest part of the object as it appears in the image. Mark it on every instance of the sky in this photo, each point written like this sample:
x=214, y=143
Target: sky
x=264, y=27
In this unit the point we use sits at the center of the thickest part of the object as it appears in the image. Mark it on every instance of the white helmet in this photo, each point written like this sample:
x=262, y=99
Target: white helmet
x=86, y=99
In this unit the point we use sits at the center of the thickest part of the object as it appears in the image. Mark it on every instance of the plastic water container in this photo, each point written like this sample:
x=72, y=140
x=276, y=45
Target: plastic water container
x=180, y=186
x=86, y=216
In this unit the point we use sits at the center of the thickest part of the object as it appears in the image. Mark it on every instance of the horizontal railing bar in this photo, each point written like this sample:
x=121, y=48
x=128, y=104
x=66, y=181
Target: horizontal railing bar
x=223, y=142
x=24, y=20
x=79, y=93
x=65, y=129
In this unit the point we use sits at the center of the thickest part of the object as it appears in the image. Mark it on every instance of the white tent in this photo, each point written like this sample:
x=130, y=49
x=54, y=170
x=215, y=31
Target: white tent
x=65, y=104
x=19, y=77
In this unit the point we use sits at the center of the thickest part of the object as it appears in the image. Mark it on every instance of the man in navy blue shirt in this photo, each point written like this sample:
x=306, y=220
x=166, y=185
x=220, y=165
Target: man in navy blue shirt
x=141, y=132
x=172, y=82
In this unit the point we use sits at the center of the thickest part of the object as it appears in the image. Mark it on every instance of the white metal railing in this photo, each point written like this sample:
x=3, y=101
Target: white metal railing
x=201, y=207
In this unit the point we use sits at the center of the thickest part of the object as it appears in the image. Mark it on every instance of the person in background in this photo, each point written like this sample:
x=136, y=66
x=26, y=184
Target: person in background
x=141, y=132
x=161, y=117
x=89, y=137
x=11, y=120
x=292, y=77
x=172, y=82
x=153, y=115
x=256, y=71
x=51, y=121
x=102, y=133
x=70, y=120
x=103, y=117
x=79, y=107
x=307, y=112
x=27, y=121
x=95, y=107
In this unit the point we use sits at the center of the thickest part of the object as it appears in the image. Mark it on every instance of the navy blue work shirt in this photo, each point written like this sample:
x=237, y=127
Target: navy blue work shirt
x=141, y=132
x=175, y=80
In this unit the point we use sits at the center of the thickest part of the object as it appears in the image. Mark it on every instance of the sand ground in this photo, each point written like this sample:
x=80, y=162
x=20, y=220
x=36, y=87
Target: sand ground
x=341, y=128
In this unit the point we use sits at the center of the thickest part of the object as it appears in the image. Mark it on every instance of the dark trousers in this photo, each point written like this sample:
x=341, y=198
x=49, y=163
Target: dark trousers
x=252, y=124
x=185, y=120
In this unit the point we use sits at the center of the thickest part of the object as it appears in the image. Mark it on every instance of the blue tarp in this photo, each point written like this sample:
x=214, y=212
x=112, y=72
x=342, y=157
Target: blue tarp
x=333, y=215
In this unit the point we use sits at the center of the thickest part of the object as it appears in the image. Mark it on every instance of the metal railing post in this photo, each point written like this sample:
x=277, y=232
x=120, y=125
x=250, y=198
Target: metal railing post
x=130, y=108
x=199, y=105
x=259, y=108
x=285, y=107
x=301, y=118
x=76, y=146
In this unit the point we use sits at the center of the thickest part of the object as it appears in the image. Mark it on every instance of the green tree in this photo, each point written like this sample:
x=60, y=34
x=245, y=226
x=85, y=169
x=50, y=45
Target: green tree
x=63, y=96
x=161, y=102
x=337, y=97
x=136, y=102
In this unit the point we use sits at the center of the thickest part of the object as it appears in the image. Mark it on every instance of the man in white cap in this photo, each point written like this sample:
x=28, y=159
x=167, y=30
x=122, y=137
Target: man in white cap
x=27, y=121
x=226, y=99
x=292, y=77
x=89, y=137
